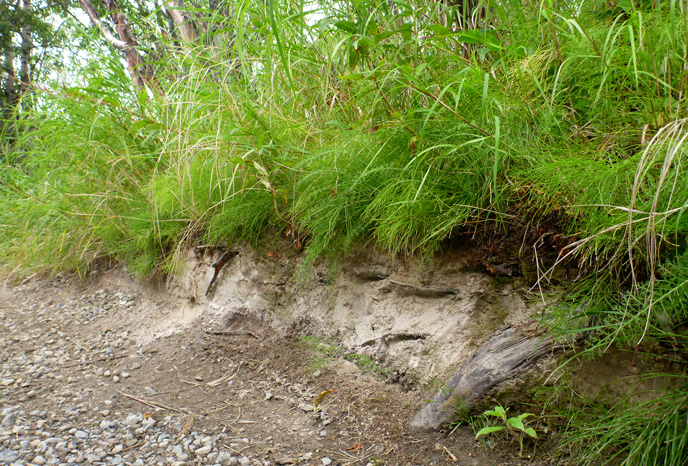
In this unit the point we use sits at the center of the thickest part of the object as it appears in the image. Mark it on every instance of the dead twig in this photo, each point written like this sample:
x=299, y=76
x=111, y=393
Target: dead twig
x=424, y=291
x=140, y=444
x=188, y=425
x=228, y=376
x=218, y=266
x=152, y=404
x=451, y=455
x=231, y=332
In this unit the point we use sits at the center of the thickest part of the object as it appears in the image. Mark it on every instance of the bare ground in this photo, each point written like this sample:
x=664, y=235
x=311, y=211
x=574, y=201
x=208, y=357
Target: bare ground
x=239, y=381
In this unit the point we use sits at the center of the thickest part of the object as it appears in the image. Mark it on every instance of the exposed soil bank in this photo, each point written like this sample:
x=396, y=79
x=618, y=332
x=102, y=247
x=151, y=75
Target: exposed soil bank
x=420, y=321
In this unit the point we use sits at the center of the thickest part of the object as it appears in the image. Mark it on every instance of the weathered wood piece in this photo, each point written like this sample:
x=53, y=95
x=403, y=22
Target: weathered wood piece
x=424, y=291
x=500, y=358
x=367, y=273
x=226, y=257
x=391, y=337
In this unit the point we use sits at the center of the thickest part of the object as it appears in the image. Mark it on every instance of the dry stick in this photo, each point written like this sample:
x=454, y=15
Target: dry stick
x=456, y=114
x=428, y=291
x=195, y=384
x=454, y=458
x=152, y=404
x=226, y=377
x=140, y=444
x=226, y=257
x=231, y=332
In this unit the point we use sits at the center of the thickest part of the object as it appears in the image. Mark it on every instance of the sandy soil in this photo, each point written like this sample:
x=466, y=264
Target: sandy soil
x=237, y=380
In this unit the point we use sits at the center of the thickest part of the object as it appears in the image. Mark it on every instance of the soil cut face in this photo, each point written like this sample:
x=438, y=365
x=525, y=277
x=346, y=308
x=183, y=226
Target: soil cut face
x=78, y=386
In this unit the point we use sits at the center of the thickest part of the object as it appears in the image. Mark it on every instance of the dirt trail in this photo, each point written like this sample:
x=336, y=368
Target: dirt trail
x=210, y=392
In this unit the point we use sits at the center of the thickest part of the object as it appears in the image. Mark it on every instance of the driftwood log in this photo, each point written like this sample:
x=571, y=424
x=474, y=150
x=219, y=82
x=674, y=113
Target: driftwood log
x=499, y=359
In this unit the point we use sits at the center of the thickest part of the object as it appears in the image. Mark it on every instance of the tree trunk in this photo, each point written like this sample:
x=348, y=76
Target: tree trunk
x=126, y=43
x=7, y=126
x=131, y=55
x=26, y=48
x=183, y=22
x=10, y=79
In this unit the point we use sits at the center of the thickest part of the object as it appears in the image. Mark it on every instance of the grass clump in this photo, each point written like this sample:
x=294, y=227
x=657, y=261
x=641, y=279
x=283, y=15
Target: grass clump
x=649, y=432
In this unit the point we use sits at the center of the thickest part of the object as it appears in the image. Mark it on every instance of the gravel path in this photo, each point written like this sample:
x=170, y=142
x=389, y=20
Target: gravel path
x=50, y=372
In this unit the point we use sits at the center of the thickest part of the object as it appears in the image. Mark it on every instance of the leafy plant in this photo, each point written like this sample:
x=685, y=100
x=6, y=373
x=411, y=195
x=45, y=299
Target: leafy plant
x=512, y=425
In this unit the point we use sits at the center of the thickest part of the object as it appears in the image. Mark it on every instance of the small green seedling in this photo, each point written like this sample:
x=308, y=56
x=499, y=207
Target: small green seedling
x=513, y=425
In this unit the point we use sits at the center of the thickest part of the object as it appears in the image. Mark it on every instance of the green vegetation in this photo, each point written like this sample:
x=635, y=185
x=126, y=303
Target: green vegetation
x=649, y=432
x=405, y=123
x=511, y=425
x=324, y=351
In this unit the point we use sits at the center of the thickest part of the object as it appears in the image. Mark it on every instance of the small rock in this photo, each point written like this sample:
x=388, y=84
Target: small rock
x=105, y=424
x=132, y=420
x=203, y=451
x=6, y=382
x=306, y=407
x=326, y=461
x=225, y=458
x=244, y=461
x=8, y=421
x=38, y=459
x=81, y=434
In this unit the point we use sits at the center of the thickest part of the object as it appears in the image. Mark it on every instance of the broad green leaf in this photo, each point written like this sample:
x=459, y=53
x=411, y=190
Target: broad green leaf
x=439, y=30
x=347, y=26
x=530, y=431
x=516, y=423
x=484, y=37
x=488, y=430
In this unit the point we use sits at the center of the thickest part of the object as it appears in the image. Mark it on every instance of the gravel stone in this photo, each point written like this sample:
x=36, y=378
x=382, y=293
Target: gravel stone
x=132, y=420
x=8, y=420
x=203, y=451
